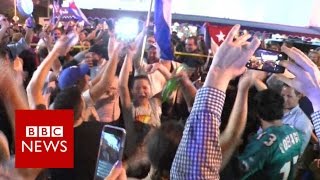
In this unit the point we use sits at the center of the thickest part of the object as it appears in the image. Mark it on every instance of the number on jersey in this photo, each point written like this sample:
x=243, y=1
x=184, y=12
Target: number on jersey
x=285, y=170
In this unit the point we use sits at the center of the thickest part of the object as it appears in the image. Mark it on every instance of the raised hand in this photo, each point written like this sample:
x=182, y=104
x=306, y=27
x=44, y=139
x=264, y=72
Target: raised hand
x=230, y=59
x=307, y=75
x=248, y=79
x=64, y=44
x=151, y=68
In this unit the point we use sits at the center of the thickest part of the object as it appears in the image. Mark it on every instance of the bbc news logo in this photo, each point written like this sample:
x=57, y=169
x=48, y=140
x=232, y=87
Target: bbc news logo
x=40, y=146
x=44, y=139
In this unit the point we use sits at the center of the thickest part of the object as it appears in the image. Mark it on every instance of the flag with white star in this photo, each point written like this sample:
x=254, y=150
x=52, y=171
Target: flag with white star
x=218, y=32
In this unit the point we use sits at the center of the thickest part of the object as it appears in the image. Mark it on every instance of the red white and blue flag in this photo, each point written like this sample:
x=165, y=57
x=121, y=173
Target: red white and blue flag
x=162, y=22
x=77, y=12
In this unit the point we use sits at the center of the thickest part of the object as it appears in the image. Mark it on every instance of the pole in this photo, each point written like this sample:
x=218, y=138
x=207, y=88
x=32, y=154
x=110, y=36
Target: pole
x=145, y=35
x=15, y=7
x=15, y=17
x=192, y=54
x=48, y=12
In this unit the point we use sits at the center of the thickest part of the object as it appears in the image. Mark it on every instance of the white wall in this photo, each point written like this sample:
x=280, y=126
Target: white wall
x=287, y=12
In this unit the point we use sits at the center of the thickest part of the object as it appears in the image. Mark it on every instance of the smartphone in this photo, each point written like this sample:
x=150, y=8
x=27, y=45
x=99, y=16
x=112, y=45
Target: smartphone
x=110, y=151
x=267, y=60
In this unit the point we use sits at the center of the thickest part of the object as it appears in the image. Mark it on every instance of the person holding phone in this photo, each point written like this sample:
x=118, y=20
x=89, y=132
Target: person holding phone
x=110, y=151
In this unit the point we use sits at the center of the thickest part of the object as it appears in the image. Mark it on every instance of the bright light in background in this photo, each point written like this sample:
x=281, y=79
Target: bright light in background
x=286, y=12
x=126, y=28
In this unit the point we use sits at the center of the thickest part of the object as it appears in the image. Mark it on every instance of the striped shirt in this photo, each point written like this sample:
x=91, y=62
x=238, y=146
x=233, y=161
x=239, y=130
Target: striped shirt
x=316, y=122
x=199, y=152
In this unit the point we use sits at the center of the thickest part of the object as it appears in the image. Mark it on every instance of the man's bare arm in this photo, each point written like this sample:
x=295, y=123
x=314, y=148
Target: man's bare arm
x=34, y=89
x=188, y=90
x=231, y=136
x=12, y=94
x=107, y=77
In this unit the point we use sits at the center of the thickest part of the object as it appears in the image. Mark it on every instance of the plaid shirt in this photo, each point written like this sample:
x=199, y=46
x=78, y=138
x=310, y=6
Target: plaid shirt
x=199, y=152
x=316, y=122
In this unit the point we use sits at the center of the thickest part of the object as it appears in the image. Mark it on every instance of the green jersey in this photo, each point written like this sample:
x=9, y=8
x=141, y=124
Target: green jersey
x=272, y=154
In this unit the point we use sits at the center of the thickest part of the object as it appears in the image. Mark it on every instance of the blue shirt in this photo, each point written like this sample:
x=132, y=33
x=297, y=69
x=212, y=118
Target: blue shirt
x=298, y=119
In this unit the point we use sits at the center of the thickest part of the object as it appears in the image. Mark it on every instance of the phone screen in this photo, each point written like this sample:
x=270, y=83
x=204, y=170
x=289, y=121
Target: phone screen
x=111, y=150
x=267, y=60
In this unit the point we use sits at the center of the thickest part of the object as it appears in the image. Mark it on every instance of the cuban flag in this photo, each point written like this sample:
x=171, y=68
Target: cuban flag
x=162, y=22
x=77, y=12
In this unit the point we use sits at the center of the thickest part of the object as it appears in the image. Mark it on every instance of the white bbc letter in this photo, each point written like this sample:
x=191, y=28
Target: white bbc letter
x=44, y=131
x=29, y=147
x=37, y=146
x=64, y=146
x=31, y=131
x=56, y=131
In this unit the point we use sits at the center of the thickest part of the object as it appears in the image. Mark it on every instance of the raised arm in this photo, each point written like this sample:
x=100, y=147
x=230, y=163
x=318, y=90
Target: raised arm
x=126, y=103
x=138, y=53
x=97, y=90
x=306, y=80
x=123, y=83
x=111, y=47
x=111, y=43
x=231, y=136
x=29, y=35
x=187, y=88
x=34, y=88
x=12, y=94
x=199, y=153
x=30, y=24
x=92, y=34
x=151, y=68
x=48, y=41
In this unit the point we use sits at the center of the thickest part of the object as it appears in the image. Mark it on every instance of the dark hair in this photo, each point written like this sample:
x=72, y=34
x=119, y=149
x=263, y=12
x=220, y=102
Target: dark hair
x=287, y=86
x=163, y=145
x=141, y=77
x=29, y=61
x=141, y=169
x=4, y=51
x=195, y=39
x=269, y=105
x=69, y=98
x=43, y=52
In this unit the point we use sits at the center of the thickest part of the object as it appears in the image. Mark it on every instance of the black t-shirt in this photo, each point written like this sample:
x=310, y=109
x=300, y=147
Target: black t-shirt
x=86, y=147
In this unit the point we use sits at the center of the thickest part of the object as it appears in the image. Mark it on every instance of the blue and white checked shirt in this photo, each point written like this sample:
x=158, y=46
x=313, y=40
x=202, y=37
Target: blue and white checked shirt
x=316, y=122
x=199, y=152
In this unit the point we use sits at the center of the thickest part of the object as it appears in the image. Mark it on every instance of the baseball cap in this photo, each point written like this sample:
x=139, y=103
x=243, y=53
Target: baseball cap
x=69, y=76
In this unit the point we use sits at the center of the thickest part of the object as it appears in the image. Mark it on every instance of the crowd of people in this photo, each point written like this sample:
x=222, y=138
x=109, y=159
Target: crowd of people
x=222, y=122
